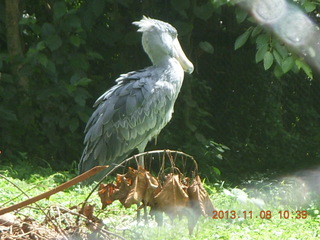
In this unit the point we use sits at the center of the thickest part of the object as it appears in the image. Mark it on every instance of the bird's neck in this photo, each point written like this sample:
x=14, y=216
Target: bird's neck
x=159, y=59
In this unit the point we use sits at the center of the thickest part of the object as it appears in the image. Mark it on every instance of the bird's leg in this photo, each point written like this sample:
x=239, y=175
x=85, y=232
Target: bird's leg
x=141, y=161
x=138, y=213
x=145, y=210
x=145, y=215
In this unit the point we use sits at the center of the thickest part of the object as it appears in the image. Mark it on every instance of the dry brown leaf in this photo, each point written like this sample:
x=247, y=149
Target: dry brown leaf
x=88, y=211
x=122, y=188
x=199, y=199
x=151, y=190
x=199, y=203
x=137, y=189
x=172, y=198
x=105, y=192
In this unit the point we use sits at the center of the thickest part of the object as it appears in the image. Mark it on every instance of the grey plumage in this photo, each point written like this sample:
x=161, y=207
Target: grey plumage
x=135, y=110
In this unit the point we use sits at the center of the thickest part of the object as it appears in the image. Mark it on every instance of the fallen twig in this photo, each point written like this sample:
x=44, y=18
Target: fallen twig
x=61, y=187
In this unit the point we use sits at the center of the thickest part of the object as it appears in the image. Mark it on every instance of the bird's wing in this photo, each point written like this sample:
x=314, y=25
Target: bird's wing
x=127, y=116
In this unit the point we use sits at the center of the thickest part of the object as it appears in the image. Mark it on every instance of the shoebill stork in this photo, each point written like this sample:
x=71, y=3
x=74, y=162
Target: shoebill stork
x=139, y=106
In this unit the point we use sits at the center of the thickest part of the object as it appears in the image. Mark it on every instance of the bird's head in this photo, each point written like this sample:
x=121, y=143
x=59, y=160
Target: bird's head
x=160, y=41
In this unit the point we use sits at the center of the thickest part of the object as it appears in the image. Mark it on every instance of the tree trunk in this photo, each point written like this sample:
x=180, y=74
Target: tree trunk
x=14, y=42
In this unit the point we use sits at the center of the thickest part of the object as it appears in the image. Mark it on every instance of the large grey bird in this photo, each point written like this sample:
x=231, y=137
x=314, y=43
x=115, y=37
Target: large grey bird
x=141, y=103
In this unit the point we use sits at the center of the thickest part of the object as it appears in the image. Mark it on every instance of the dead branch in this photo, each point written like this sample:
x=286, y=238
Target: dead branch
x=47, y=194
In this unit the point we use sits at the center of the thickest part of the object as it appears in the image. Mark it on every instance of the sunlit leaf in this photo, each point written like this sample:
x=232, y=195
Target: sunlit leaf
x=267, y=60
x=281, y=49
x=309, y=6
x=305, y=67
x=287, y=64
x=216, y=171
x=277, y=57
x=261, y=52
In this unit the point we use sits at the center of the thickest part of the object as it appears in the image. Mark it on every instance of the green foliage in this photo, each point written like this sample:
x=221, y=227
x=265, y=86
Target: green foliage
x=270, y=48
x=74, y=50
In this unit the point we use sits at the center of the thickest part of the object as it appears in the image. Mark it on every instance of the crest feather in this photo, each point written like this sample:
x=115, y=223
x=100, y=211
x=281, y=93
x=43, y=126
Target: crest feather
x=146, y=24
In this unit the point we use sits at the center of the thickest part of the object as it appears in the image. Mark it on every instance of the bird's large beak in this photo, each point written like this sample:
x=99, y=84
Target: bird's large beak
x=181, y=57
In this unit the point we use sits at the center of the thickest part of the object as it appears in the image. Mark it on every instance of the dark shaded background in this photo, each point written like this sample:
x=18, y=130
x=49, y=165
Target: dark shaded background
x=231, y=114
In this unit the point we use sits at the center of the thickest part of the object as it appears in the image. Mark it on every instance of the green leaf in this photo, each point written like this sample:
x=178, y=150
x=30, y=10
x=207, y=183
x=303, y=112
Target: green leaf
x=305, y=67
x=59, y=9
x=309, y=7
x=242, y=39
x=267, y=60
x=47, y=30
x=204, y=11
x=201, y=138
x=261, y=52
x=281, y=49
x=262, y=39
x=83, y=116
x=256, y=30
x=277, y=57
x=84, y=81
x=78, y=80
x=241, y=15
x=75, y=40
x=206, y=46
x=94, y=55
x=54, y=42
x=287, y=64
x=51, y=67
x=80, y=100
x=42, y=59
x=41, y=45
x=73, y=21
x=216, y=171
x=75, y=78
x=277, y=71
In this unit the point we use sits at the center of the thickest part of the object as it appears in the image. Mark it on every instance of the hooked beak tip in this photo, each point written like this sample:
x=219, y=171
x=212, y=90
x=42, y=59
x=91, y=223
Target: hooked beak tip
x=190, y=69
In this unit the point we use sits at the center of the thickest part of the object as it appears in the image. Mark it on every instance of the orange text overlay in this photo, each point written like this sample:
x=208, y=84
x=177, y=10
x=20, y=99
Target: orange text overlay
x=265, y=214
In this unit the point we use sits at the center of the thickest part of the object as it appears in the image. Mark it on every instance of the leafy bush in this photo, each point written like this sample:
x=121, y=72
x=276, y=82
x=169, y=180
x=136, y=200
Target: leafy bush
x=73, y=50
